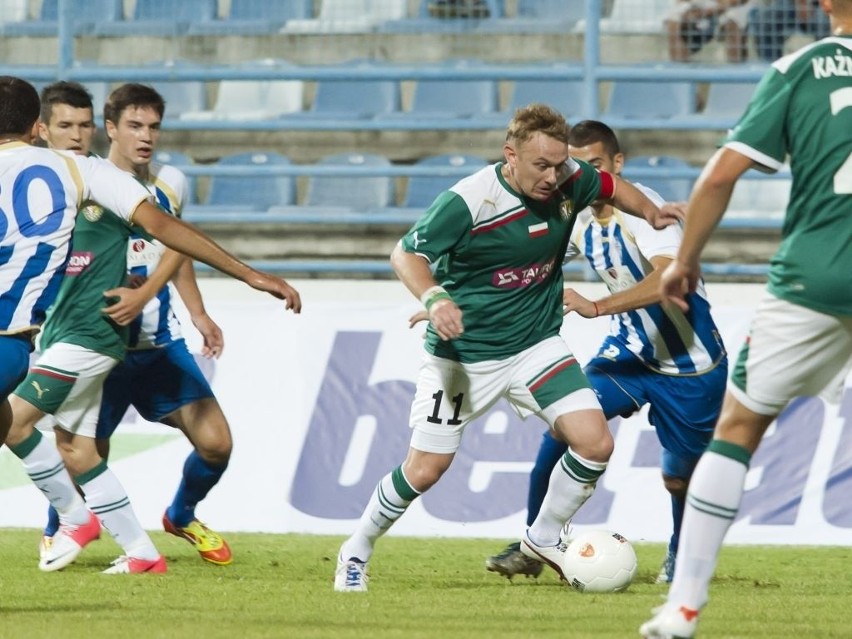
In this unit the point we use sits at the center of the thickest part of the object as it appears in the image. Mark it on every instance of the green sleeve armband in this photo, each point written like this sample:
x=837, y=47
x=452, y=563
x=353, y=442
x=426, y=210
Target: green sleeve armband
x=432, y=295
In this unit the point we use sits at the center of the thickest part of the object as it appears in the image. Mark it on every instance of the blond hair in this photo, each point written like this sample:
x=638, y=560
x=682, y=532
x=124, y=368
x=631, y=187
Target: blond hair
x=537, y=118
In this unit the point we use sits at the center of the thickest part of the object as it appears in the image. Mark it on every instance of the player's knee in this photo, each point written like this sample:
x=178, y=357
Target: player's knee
x=216, y=453
x=596, y=449
x=423, y=476
x=79, y=456
x=676, y=485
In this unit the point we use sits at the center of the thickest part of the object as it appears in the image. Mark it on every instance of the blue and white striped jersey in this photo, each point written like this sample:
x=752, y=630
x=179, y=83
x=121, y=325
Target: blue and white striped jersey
x=620, y=250
x=40, y=193
x=157, y=324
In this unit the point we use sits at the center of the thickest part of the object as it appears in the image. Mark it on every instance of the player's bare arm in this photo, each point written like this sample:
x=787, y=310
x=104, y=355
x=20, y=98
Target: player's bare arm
x=631, y=200
x=187, y=287
x=443, y=313
x=188, y=240
x=644, y=293
x=132, y=298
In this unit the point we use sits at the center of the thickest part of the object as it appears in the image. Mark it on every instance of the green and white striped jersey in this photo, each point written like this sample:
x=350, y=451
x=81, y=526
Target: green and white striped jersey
x=499, y=255
x=803, y=108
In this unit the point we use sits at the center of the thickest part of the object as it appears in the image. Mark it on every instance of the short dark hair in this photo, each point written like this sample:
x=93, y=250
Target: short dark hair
x=73, y=94
x=19, y=106
x=589, y=132
x=132, y=94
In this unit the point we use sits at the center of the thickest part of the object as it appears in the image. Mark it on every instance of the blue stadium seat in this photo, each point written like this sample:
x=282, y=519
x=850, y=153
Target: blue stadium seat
x=451, y=99
x=670, y=189
x=566, y=96
x=422, y=190
x=651, y=99
x=352, y=192
x=164, y=18
x=541, y=16
x=346, y=99
x=254, y=17
x=88, y=14
x=727, y=99
x=251, y=193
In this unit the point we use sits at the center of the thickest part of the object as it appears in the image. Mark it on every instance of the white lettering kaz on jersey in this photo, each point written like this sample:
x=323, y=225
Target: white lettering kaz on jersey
x=667, y=340
x=157, y=324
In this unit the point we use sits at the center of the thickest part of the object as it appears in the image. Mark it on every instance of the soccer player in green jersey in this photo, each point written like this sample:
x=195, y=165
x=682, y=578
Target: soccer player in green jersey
x=800, y=340
x=81, y=342
x=497, y=240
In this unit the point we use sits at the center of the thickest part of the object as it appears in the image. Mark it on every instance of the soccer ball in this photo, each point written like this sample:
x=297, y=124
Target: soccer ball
x=599, y=561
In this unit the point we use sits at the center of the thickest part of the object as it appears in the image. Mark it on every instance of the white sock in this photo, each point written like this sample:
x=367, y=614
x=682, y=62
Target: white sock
x=44, y=465
x=388, y=503
x=108, y=500
x=572, y=482
x=712, y=502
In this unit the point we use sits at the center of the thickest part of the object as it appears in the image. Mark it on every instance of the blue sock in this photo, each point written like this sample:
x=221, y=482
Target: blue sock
x=198, y=478
x=52, y=522
x=549, y=453
x=678, y=505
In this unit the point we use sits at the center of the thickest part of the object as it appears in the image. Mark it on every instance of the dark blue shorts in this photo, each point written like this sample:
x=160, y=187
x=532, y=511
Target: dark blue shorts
x=14, y=362
x=155, y=381
x=683, y=409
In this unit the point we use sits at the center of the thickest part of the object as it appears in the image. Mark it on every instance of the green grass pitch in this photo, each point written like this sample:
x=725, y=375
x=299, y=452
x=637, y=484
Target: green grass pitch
x=281, y=586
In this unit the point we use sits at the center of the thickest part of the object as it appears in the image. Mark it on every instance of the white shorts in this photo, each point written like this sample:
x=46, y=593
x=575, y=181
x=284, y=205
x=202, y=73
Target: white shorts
x=66, y=382
x=544, y=380
x=791, y=351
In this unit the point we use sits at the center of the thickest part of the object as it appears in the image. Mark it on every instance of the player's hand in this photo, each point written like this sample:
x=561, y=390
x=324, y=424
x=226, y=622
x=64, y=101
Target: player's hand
x=214, y=341
x=276, y=287
x=669, y=213
x=446, y=319
x=130, y=303
x=573, y=301
x=677, y=281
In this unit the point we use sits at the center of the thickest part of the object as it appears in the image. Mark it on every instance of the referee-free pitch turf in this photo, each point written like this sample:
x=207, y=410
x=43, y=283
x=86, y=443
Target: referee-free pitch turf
x=430, y=588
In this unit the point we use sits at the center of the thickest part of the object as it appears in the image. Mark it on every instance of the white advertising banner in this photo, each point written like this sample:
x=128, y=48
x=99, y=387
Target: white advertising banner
x=318, y=405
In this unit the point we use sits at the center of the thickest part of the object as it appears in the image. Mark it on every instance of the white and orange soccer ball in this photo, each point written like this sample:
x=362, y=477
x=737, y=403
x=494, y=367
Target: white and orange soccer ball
x=599, y=561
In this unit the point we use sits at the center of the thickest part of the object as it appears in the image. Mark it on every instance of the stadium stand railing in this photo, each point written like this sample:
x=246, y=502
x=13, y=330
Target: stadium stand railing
x=590, y=78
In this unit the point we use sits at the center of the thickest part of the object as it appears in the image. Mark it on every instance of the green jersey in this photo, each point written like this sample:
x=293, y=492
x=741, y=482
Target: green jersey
x=499, y=255
x=98, y=262
x=803, y=107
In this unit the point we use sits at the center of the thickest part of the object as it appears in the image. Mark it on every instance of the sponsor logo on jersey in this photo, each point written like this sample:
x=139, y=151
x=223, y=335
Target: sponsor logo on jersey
x=79, y=262
x=522, y=276
x=143, y=253
x=92, y=212
x=415, y=239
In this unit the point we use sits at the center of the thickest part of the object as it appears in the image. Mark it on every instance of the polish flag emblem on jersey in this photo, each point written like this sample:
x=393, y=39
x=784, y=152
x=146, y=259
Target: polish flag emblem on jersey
x=537, y=230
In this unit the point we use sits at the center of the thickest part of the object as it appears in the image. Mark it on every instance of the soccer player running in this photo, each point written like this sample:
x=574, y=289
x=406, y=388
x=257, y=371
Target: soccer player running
x=800, y=339
x=494, y=303
x=673, y=361
x=158, y=376
x=44, y=189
